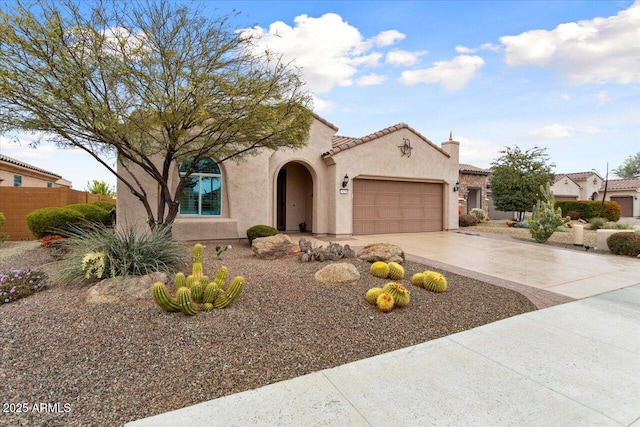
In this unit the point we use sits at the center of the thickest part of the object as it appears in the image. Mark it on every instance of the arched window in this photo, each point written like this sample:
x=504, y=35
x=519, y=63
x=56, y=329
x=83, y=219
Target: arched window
x=203, y=189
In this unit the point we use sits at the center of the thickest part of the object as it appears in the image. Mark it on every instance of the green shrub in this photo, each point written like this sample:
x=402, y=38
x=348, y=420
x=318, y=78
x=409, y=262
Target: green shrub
x=3, y=236
x=521, y=224
x=624, y=244
x=478, y=213
x=260, y=231
x=92, y=212
x=590, y=208
x=467, y=220
x=610, y=225
x=597, y=223
x=104, y=205
x=546, y=218
x=53, y=220
x=124, y=250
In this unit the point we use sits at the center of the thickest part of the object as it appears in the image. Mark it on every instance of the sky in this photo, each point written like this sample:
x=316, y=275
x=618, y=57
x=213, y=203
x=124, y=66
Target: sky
x=560, y=75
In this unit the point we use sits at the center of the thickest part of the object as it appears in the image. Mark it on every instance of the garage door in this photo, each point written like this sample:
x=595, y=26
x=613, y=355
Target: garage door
x=626, y=203
x=396, y=206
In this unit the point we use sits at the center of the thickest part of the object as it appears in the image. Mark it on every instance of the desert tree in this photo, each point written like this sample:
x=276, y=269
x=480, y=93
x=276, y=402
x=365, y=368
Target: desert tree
x=516, y=178
x=100, y=187
x=630, y=168
x=154, y=84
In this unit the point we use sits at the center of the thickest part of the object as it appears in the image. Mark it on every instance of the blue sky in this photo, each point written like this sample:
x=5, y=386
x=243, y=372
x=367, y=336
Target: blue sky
x=564, y=75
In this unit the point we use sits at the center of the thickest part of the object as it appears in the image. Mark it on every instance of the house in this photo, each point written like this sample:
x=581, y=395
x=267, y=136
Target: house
x=392, y=181
x=626, y=193
x=473, y=188
x=15, y=173
x=577, y=186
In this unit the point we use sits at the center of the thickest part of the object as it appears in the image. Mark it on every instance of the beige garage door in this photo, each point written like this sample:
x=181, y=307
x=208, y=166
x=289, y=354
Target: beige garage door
x=396, y=206
x=626, y=203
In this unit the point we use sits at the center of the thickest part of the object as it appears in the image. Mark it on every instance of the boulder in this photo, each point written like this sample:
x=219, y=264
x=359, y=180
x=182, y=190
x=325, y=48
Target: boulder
x=274, y=247
x=338, y=273
x=121, y=288
x=382, y=252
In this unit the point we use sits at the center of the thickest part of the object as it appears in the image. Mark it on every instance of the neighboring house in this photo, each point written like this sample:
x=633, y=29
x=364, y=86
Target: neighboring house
x=577, y=186
x=626, y=193
x=392, y=181
x=14, y=173
x=473, y=188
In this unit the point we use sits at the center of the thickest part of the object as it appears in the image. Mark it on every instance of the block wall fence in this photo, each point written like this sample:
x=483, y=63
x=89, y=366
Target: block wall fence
x=17, y=202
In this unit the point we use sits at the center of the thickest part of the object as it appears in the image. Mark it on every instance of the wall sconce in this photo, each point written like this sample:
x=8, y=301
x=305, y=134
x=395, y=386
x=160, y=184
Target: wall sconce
x=635, y=197
x=345, y=181
x=456, y=187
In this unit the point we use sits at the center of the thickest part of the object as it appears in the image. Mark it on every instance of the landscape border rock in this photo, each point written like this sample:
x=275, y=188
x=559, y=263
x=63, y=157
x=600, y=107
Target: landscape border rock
x=124, y=288
x=274, y=247
x=382, y=252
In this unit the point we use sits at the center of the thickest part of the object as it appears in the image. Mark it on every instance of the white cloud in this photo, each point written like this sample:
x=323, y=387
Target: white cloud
x=387, y=38
x=452, y=75
x=603, y=97
x=371, y=80
x=327, y=49
x=565, y=96
x=403, y=57
x=477, y=152
x=464, y=49
x=590, y=51
x=554, y=131
x=591, y=130
x=490, y=46
x=321, y=105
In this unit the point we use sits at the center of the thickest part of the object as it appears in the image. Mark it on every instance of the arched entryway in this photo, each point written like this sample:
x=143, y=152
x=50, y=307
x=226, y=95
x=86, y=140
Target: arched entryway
x=294, y=198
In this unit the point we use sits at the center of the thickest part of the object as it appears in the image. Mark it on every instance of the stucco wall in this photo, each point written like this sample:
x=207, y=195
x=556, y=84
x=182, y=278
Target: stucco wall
x=566, y=187
x=30, y=178
x=382, y=157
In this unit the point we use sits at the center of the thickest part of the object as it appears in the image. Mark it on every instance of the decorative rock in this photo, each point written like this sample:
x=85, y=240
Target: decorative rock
x=274, y=247
x=339, y=273
x=305, y=245
x=382, y=252
x=511, y=223
x=121, y=288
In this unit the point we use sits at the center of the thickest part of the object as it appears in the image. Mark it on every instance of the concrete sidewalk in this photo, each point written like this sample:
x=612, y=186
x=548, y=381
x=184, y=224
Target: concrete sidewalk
x=576, y=364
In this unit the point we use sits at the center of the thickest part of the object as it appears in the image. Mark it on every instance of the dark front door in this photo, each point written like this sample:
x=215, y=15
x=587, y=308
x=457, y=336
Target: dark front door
x=282, y=200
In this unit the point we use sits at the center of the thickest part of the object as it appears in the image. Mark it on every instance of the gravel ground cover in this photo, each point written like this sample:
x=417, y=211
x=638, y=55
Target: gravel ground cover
x=112, y=363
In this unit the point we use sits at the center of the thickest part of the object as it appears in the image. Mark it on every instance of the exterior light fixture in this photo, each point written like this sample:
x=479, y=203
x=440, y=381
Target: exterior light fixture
x=456, y=187
x=345, y=181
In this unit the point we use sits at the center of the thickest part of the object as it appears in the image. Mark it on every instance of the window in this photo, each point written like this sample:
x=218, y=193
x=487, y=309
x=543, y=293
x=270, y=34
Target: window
x=17, y=180
x=49, y=184
x=203, y=189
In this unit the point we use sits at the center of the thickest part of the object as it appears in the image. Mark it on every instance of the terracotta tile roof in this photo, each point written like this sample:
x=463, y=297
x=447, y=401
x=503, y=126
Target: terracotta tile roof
x=579, y=176
x=11, y=160
x=342, y=143
x=473, y=170
x=320, y=119
x=562, y=176
x=622, y=184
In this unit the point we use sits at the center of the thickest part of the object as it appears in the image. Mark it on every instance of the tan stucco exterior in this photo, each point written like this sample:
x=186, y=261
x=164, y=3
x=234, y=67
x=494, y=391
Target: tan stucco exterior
x=314, y=176
x=30, y=176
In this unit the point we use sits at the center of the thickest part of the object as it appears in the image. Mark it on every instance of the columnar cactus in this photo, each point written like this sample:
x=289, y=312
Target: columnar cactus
x=163, y=299
x=396, y=272
x=187, y=306
x=372, y=295
x=230, y=294
x=385, y=302
x=197, y=270
x=191, y=280
x=180, y=280
x=221, y=277
x=379, y=269
x=196, y=292
x=197, y=253
x=211, y=292
x=399, y=293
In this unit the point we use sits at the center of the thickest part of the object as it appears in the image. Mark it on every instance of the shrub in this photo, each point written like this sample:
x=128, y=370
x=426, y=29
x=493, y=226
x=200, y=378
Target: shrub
x=521, y=224
x=107, y=206
x=54, y=220
x=624, y=244
x=92, y=213
x=546, y=217
x=467, y=220
x=478, y=213
x=20, y=283
x=597, y=223
x=260, y=231
x=590, y=208
x=125, y=252
x=610, y=225
x=574, y=215
x=3, y=236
